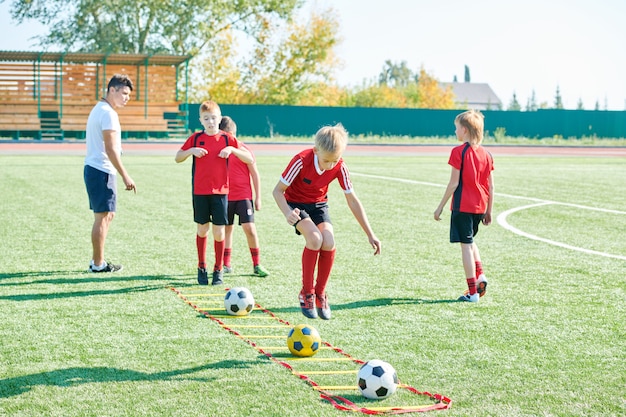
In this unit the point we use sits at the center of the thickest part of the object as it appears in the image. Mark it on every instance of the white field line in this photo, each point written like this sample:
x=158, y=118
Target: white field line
x=502, y=217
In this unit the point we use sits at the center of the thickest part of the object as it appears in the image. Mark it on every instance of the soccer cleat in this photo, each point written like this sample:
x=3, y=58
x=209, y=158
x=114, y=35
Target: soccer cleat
x=307, y=305
x=108, y=267
x=323, y=309
x=481, y=286
x=228, y=269
x=260, y=271
x=469, y=298
x=203, y=278
x=217, y=278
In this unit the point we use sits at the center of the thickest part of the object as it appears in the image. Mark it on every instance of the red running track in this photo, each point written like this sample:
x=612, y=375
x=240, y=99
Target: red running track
x=170, y=148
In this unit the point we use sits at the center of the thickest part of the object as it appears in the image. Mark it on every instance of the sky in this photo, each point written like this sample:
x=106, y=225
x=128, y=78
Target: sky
x=516, y=47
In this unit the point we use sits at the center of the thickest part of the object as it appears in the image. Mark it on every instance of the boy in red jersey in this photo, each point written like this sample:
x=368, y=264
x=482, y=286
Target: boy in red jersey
x=240, y=203
x=210, y=149
x=301, y=194
x=471, y=188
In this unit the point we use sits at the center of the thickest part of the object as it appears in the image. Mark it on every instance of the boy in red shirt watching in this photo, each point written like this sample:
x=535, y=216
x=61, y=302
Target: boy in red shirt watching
x=471, y=188
x=211, y=150
x=301, y=194
x=240, y=203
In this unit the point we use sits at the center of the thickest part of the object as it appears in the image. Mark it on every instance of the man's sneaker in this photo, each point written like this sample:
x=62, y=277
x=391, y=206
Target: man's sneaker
x=228, y=269
x=217, y=278
x=323, y=309
x=260, y=271
x=481, y=285
x=108, y=267
x=469, y=298
x=203, y=278
x=307, y=305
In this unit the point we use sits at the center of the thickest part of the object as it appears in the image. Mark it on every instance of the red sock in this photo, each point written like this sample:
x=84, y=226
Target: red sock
x=201, y=246
x=309, y=260
x=324, y=266
x=219, y=255
x=471, y=284
x=479, y=268
x=256, y=256
x=227, y=255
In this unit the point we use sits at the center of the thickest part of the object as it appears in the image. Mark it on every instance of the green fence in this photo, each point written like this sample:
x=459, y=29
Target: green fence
x=267, y=121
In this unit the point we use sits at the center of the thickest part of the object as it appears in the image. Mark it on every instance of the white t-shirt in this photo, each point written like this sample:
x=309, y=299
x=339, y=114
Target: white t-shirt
x=102, y=117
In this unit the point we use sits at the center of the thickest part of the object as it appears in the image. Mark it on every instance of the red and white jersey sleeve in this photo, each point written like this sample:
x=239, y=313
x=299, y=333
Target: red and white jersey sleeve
x=307, y=183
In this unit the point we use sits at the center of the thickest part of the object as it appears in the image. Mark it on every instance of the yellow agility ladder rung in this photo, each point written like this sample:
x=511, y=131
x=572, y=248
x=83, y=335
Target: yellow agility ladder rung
x=261, y=336
x=285, y=347
x=309, y=359
x=204, y=295
x=249, y=316
x=400, y=408
x=354, y=371
x=254, y=326
x=336, y=387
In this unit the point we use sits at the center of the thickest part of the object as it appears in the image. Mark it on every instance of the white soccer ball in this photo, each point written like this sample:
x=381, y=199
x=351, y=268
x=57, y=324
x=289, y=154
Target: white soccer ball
x=377, y=379
x=238, y=301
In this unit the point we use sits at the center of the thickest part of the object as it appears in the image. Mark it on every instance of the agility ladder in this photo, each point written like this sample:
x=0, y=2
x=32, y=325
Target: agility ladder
x=206, y=304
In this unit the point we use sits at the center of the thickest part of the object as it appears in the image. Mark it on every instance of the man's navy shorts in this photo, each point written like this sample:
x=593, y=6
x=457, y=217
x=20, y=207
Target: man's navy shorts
x=101, y=189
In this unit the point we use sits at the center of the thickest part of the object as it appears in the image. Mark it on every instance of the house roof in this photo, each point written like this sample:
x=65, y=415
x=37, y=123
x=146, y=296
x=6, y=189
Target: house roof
x=80, y=57
x=477, y=96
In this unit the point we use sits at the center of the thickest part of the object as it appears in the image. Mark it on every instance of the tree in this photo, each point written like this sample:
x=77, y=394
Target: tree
x=580, y=105
x=531, y=104
x=396, y=75
x=467, y=74
x=430, y=94
x=514, y=104
x=558, y=100
x=146, y=26
x=284, y=70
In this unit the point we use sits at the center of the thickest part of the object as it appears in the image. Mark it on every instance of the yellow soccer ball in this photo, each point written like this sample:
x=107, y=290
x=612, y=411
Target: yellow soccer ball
x=303, y=340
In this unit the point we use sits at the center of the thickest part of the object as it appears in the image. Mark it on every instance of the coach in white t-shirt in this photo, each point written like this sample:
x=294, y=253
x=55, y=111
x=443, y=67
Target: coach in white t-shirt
x=102, y=164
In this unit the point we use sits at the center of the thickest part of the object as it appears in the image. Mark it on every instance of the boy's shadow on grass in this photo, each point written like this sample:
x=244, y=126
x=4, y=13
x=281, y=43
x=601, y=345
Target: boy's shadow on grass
x=158, y=282
x=378, y=302
x=80, y=277
x=74, y=376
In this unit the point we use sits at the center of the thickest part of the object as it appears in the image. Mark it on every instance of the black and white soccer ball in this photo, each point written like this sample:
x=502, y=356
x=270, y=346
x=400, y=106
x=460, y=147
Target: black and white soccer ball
x=238, y=301
x=377, y=379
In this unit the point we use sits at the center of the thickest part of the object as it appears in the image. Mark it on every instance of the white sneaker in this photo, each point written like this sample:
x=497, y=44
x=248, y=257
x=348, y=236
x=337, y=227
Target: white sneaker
x=469, y=298
x=481, y=285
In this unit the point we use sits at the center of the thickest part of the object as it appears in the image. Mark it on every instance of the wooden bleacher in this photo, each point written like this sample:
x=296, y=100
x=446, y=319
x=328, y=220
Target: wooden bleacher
x=48, y=99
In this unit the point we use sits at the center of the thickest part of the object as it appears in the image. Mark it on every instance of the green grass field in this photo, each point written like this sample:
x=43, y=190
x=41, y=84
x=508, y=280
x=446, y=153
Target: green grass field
x=549, y=338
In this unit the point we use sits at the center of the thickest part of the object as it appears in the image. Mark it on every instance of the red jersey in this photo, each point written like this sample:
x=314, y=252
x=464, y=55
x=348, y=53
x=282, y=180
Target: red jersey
x=308, y=184
x=239, y=187
x=209, y=174
x=472, y=193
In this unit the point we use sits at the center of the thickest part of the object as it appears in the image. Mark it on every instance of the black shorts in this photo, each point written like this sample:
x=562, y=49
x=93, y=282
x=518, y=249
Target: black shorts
x=464, y=226
x=243, y=209
x=210, y=208
x=318, y=212
x=101, y=190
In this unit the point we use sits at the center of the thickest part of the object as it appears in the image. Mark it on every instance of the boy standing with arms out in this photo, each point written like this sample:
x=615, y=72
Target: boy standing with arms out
x=471, y=188
x=240, y=203
x=210, y=149
x=103, y=162
x=301, y=194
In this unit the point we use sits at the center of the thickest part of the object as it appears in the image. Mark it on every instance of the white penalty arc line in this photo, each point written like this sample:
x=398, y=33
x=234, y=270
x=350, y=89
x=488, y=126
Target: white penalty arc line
x=504, y=223
x=501, y=219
